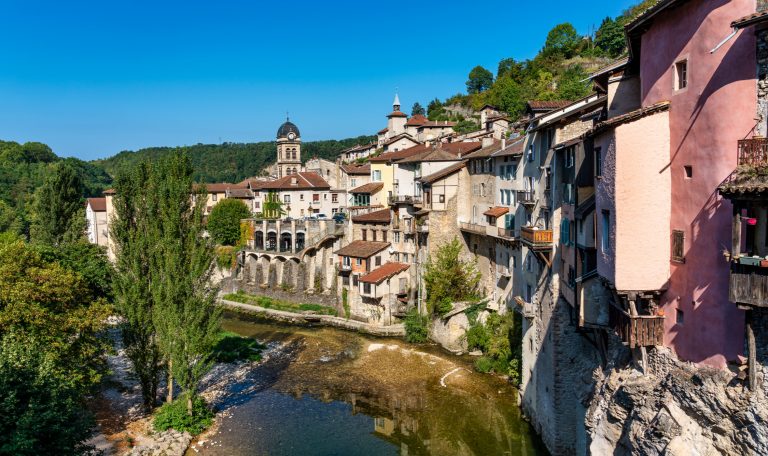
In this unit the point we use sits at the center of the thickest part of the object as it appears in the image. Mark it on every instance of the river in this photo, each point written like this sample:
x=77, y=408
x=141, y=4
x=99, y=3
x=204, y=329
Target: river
x=332, y=392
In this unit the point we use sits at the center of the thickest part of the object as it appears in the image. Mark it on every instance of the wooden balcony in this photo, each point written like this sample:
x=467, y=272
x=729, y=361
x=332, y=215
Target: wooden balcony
x=526, y=197
x=748, y=285
x=638, y=330
x=753, y=151
x=536, y=239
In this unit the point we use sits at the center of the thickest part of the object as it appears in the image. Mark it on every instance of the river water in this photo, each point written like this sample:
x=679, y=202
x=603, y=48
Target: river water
x=332, y=392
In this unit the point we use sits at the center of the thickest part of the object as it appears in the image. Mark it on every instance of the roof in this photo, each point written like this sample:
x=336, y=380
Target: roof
x=497, y=211
x=287, y=127
x=631, y=116
x=299, y=181
x=587, y=103
x=746, y=181
x=437, y=124
x=98, y=204
x=382, y=216
x=371, y=187
x=648, y=14
x=440, y=152
x=362, y=249
x=109, y=191
x=382, y=131
x=241, y=193
x=397, y=114
x=611, y=67
x=386, y=271
x=356, y=170
x=751, y=19
x=399, y=137
x=416, y=120
x=443, y=173
x=547, y=105
x=486, y=151
x=221, y=187
x=512, y=148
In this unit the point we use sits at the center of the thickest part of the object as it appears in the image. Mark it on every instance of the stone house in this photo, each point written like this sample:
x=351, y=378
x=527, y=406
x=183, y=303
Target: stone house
x=97, y=226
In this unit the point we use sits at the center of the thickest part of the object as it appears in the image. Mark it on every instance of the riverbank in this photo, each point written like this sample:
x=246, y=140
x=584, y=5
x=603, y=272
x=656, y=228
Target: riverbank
x=397, y=330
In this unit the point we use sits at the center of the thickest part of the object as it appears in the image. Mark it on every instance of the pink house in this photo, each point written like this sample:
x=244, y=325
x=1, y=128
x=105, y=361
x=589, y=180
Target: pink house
x=703, y=99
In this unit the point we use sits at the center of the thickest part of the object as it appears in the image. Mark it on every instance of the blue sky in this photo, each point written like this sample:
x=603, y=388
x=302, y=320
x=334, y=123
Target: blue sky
x=94, y=78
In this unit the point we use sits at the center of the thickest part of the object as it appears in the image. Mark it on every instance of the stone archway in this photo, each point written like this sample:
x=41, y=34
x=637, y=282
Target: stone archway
x=271, y=244
x=300, y=241
x=285, y=242
x=258, y=239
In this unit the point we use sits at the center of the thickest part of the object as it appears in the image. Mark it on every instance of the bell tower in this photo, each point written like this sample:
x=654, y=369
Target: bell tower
x=288, y=149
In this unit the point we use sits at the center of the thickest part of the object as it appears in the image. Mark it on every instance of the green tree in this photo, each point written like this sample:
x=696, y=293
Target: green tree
x=224, y=221
x=479, y=80
x=572, y=84
x=466, y=126
x=418, y=110
x=562, y=41
x=511, y=68
x=435, y=109
x=449, y=279
x=610, y=38
x=58, y=214
x=88, y=260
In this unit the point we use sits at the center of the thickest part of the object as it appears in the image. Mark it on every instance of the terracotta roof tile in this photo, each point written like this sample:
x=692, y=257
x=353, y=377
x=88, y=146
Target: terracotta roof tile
x=218, y=187
x=548, y=104
x=497, y=211
x=357, y=170
x=98, y=204
x=397, y=114
x=371, y=187
x=362, y=249
x=298, y=181
x=382, y=216
x=416, y=120
x=441, y=152
x=443, y=173
x=382, y=131
x=751, y=19
x=384, y=272
x=399, y=137
x=240, y=193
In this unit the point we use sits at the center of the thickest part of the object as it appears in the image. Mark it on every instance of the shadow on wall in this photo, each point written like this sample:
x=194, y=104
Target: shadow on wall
x=710, y=329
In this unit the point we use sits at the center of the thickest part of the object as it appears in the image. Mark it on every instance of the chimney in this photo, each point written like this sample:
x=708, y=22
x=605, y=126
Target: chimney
x=487, y=141
x=504, y=143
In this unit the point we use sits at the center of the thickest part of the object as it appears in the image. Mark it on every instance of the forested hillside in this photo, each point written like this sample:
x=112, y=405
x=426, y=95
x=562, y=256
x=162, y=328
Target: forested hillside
x=23, y=170
x=558, y=71
x=230, y=162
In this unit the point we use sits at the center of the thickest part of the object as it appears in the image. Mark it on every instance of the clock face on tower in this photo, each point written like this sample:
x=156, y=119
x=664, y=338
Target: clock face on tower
x=291, y=135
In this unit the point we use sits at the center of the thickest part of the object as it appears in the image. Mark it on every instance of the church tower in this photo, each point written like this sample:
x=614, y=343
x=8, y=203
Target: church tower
x=397, y=119
x=288, y=149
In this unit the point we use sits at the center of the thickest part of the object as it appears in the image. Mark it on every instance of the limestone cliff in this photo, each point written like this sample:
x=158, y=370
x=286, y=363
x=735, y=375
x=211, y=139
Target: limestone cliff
x=681, y=410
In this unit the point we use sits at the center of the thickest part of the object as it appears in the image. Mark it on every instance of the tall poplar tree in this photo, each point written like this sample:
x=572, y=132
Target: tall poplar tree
x=58, y=214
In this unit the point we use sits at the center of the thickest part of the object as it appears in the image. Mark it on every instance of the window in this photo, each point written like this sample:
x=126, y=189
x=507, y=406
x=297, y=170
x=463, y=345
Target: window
x=257, y=205
x=570, y=157
x=509, y=221
x=441, y=198
x=377, y=175
x=367, y=288
x=353, y=182
x=354, y=280
x=396, y=236
x=405, y=257
x=565, y=232
x=598, y=161
x=604, y=241
x=378, y=260
x=287, y=199
x=334, y=210
x=365, y=235
x=345, y=261
x=315, y=197
x=688, y=171
x=359, y=261
x=345, y=280
x=482, y=189
x=680, y=317
x=325, y=196
x=531, y=152
x=214, y=197
x=384, y=235
x=678, y=246
x=301, y=197
x=681, y=75
x=334, y=197
x=373, y=235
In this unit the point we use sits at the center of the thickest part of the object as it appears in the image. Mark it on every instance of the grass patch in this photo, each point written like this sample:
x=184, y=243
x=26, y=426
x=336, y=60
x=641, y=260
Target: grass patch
x=278, y=304
x=174, y=416
x=231, y=347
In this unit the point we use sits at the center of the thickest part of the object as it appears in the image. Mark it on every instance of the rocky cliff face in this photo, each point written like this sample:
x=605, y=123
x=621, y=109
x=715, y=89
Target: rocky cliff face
x=681, y=410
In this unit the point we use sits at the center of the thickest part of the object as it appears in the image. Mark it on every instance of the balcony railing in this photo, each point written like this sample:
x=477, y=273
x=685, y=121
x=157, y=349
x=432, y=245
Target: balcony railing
x=637, y=330
x=507, y=234
x=753, y=151
x=404, y=199
x=526, y=197
x=345, y=267
x=536, y=239
x=472, y=227
x=749, y=285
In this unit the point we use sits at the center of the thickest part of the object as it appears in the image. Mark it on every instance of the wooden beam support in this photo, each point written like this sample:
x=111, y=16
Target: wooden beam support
x=751, y=349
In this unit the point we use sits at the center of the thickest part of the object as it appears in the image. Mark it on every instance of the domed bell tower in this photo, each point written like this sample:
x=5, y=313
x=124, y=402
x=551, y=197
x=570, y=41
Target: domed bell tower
x=288, y=149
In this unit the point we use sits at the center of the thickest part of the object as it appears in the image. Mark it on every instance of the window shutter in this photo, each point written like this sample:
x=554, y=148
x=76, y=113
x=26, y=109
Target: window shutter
x=678, y=246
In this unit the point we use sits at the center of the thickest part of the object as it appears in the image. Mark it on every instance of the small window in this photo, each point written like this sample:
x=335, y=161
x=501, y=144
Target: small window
x=359, y=261
x=286, y=198
x=678, y=246
x=378, y=260
x=373, y=235
x=680, y=317
x=688, y=171
x=681, y=75
x=214, y=197
x=441, y=198
x=606, y=231
x=384, y=235
x=598, y=162
x=365, y=235
x=354, y=280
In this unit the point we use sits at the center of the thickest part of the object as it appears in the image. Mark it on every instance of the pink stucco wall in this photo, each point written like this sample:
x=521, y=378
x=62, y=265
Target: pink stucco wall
x=706, y=119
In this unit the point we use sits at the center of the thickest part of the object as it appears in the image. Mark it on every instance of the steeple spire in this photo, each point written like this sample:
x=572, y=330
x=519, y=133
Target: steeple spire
x=396, y=103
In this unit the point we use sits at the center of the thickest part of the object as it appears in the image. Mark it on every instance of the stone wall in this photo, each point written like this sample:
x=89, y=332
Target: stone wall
x=762, y=77
x=760, y=327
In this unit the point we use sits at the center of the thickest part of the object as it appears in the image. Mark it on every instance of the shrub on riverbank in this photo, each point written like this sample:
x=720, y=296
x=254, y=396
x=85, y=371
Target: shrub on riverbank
x=231, y=347
x=499, y=340
x=174, y=416
x=416, y=327
x=277, y=304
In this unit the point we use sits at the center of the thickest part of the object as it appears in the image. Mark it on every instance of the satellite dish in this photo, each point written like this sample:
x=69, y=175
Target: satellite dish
x=391, y=250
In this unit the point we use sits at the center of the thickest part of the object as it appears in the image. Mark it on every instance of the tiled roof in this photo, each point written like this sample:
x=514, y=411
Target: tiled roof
x=650, y=12
x=416, y=120
x=371, y=187
x=439, y=152
x=632, y=116
x=751, y=19
x=362, y=249
x=497, y=211
x=98, y=204
x=382, y=216
x=357, y=170
x=537, y=105
x=443, y=173
x=218, y=187
x=399, y=137
x=382, y=131
x=486, y=151
x=397, y=114
x=437, y=124
x=241, y=193
x=611, y=67
x=298, y=181
x=384, y=272
x=745, y=180
x=512, y=148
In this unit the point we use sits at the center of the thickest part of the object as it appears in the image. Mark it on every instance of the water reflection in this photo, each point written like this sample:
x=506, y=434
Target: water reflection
x=345, y=394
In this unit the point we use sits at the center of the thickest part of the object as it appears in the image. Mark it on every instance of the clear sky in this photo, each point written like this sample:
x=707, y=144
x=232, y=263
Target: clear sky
x=94, y=78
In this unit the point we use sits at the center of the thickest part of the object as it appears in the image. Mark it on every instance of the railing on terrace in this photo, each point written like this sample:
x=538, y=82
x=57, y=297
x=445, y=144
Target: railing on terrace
x=637, y=330
x=526, y=197
x=404, y=199
x=506, y=233
x=753, y=151
x=536, y=238
x=472, y=227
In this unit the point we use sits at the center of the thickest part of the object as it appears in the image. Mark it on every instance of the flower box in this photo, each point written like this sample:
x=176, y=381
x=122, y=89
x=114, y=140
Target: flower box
x=750, y=261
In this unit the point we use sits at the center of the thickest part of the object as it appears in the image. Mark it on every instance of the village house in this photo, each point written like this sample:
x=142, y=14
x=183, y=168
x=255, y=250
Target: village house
x=97, y=224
